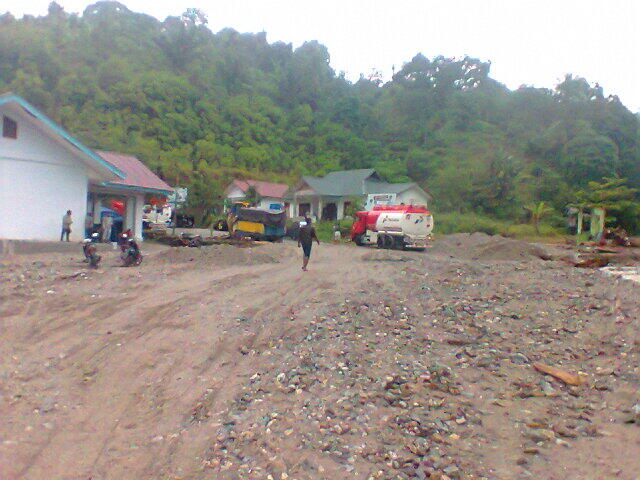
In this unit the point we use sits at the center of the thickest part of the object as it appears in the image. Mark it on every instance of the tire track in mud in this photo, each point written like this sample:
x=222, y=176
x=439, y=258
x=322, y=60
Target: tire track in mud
x=96, y=357
x=226, y=353
x=173, y=337
x=281, y=302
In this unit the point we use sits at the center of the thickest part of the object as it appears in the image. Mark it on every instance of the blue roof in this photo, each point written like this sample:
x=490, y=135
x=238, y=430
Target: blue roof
x=12, y=98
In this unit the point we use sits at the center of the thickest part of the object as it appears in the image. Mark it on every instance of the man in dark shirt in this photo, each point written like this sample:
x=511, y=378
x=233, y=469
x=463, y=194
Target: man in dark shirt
x=306, y=236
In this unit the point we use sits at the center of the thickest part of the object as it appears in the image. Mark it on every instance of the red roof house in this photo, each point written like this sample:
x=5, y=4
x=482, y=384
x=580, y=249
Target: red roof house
x=137, y=175
x=238, y=188
x=272, y=193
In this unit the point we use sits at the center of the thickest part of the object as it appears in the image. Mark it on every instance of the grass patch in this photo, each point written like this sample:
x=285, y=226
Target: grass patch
x=446, y=223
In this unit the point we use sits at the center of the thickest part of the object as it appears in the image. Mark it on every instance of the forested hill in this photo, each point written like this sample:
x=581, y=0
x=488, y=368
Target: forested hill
x=201, y=108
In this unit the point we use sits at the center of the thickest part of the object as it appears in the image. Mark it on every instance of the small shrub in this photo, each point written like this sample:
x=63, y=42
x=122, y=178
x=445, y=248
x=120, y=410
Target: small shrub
x=324, y=229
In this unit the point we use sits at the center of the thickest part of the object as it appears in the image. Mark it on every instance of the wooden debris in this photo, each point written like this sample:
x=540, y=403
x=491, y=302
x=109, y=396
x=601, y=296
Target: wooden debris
x=562, y=375
x=596, y=261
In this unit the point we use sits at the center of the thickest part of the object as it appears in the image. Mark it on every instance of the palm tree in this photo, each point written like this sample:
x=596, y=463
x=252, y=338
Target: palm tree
x=252, y=197
x=538, y=210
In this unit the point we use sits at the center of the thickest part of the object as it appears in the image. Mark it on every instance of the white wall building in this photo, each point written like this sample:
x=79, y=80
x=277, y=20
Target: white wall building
x=44, y=172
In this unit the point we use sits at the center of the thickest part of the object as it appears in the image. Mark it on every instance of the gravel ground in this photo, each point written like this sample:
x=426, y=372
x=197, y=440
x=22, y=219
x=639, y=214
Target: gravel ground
x=228, y=363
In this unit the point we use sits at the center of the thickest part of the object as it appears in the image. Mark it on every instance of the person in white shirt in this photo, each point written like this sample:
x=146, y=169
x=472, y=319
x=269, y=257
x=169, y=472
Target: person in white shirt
x=107, y=223
x=66, y=225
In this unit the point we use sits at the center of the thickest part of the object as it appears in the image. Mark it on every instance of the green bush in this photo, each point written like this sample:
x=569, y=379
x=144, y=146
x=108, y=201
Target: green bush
x=325, y=229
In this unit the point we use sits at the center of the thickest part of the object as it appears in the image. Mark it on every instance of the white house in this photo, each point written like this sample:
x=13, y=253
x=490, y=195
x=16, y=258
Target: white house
x=328, y=197
x=271, y=193
x=44, y=172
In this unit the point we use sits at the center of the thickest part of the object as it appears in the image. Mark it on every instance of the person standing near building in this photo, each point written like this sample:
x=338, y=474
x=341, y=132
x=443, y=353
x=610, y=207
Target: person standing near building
x=306, y=236
x=66, y=225
x=107, y=223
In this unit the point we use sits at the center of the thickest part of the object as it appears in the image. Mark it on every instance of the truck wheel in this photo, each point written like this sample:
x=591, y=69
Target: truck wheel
x=388, y=242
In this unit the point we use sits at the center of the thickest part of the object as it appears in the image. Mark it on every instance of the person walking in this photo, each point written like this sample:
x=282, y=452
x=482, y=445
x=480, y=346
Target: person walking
x=306, y=236
x=66, y=226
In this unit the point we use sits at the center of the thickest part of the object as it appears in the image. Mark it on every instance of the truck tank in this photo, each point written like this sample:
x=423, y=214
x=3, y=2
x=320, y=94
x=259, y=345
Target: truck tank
x=393, y=226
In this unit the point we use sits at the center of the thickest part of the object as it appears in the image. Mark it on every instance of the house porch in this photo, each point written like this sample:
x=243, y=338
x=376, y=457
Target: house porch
x=131, y=213
x=319, y=207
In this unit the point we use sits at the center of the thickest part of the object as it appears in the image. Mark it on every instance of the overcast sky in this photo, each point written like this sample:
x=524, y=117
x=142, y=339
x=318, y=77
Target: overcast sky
x=533, y=42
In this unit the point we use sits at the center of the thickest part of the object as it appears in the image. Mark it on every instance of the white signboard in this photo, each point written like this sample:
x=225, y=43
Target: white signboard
x=178, y=197
x=374, y=199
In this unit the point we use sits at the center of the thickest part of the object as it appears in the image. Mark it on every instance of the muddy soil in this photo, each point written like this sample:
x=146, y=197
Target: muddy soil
x=232, y=363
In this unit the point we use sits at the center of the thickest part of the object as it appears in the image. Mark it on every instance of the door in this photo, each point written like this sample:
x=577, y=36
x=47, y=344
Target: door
x=330, y=211
x=303, y=209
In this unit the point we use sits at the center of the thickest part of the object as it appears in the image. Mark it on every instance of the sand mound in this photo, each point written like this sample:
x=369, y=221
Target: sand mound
x=483, y=247
x=219, y=255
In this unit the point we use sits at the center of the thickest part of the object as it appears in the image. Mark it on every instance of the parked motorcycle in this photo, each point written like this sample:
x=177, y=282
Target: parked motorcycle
x=91, y=251
x=130, y=252
x=185, y=240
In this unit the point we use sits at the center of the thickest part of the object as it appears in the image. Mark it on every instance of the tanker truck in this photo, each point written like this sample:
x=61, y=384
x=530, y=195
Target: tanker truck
x=393, y=226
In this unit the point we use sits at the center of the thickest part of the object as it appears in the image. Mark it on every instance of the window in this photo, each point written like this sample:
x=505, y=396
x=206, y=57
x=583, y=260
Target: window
x=9, y=128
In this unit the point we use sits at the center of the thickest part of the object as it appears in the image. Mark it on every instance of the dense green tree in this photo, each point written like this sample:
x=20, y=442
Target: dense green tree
x=252, y=197
x=589, y=157
x=201, y=108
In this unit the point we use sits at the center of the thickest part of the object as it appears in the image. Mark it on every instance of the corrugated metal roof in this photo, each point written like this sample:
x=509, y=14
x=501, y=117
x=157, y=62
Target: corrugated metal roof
x=345, y=182
x=137, y=174
x=384, y=187
x=265, y=189
x=354, y=183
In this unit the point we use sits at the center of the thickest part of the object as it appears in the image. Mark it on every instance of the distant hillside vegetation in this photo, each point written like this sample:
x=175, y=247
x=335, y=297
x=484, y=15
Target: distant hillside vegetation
x=200, y=108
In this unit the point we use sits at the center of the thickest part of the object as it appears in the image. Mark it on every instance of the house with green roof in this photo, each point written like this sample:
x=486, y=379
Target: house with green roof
x=328, y=197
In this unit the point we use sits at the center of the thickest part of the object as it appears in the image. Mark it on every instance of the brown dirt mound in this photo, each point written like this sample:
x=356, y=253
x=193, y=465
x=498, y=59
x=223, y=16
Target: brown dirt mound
x=483, y=247
x=219, y=255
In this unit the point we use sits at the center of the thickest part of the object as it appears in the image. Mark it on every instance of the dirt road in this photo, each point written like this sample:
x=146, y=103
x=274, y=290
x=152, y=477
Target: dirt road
x=232, y=363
